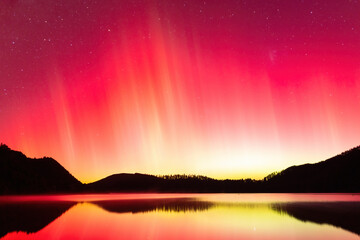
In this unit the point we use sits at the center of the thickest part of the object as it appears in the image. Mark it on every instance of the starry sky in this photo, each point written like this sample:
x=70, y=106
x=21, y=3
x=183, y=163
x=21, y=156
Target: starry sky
x=227, y=89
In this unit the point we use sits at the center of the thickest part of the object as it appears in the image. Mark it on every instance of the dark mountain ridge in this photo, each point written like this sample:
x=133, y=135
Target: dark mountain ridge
x=126, y=182
x=137, y=182
x=22, y=175
x=337, y=174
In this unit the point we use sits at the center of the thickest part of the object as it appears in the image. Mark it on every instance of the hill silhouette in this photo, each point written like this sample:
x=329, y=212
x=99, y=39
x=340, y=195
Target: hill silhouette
x=22, y=175
x=125, y=182
x=337, y=174
x=137, y=182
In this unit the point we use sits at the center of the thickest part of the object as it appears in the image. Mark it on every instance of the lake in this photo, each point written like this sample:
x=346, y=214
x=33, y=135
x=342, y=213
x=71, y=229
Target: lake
x=181, y=216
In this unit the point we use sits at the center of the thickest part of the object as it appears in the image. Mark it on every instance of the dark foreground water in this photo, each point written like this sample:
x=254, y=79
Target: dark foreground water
x=181, y=216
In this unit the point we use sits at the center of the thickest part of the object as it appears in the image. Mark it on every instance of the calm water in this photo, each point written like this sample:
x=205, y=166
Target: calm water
x=181, y=216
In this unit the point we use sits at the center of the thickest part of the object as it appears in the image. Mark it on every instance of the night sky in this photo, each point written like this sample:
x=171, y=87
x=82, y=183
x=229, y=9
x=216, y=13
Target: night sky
x=227, y=89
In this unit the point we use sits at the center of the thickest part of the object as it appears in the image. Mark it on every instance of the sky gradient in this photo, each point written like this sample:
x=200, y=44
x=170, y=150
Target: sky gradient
x=227, y=89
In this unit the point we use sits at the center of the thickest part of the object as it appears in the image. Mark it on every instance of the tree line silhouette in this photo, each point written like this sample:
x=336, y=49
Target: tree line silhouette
x=22, y=175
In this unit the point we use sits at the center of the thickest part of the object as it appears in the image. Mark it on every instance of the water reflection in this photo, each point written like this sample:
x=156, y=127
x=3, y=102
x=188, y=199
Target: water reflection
x=345, y=215
x=190, y=217
x=148, y=205
x=29, y=217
